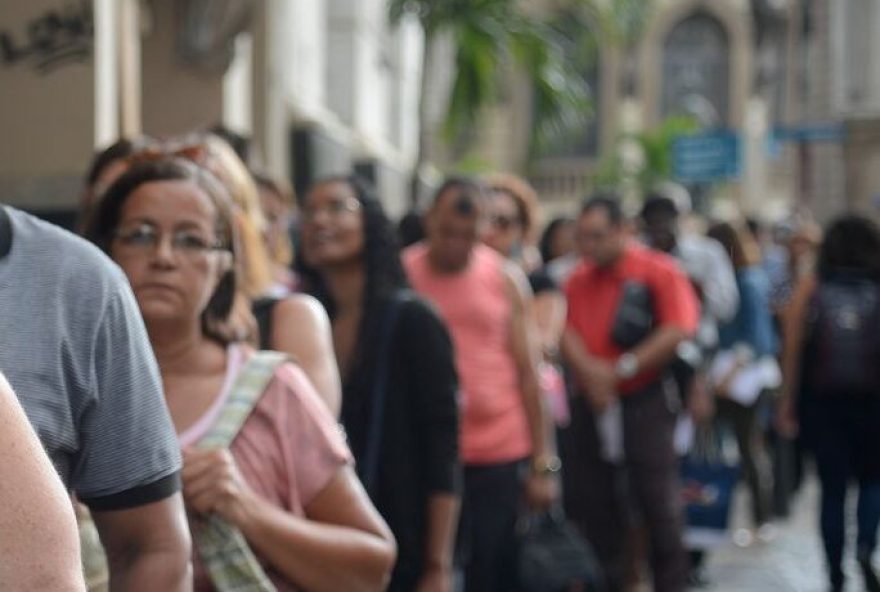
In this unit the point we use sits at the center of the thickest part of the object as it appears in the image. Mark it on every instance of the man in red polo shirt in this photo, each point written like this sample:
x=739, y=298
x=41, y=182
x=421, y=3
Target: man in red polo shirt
x=629, y=384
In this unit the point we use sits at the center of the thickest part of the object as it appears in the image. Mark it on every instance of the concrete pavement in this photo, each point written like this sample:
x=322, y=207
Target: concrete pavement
x=793, y=562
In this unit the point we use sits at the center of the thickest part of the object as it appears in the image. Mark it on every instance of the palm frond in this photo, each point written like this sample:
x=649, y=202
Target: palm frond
x=492, y=35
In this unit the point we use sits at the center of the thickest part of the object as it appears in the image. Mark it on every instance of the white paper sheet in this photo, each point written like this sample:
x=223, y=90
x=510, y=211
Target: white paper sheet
x=749, y=382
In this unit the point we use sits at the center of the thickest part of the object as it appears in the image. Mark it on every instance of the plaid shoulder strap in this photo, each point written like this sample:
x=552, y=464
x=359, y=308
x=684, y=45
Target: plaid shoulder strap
x=226, y=554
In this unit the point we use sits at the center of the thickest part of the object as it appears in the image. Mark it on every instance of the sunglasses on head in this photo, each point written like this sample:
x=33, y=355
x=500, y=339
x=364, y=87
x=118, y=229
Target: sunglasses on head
x=193, y=152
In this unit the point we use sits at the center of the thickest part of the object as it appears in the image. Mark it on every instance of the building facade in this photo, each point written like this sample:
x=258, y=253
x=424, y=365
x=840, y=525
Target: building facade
x=791, y=79
x=322, y=87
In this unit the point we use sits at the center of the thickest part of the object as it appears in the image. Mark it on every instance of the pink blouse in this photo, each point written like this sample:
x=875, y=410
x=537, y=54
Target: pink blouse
x=288, y=449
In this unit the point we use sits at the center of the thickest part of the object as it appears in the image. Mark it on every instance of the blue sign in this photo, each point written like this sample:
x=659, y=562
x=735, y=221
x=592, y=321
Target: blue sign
x=706, y=157
x=810, y=132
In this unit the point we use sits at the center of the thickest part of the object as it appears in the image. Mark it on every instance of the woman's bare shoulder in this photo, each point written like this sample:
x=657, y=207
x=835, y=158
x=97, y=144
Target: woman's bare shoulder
x=301, y=308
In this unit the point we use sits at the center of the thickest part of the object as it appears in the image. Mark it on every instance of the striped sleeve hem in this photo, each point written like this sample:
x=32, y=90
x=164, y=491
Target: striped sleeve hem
x=136, y=496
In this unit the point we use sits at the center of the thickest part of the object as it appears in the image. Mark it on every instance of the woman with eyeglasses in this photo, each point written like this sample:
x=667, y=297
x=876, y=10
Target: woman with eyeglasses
x=284, y=481
x=292, y=323
x=287, y=322
x=399, y=380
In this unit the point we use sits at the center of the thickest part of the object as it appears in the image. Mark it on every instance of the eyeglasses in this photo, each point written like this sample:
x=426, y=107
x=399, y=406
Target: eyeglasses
x=144, y=237
x=334, y=209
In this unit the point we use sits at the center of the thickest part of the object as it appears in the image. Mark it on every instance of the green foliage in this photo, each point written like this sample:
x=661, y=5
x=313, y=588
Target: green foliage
x=561, y=98
x=611, y=173
x=619, y=22
x=576, y=42
x=477, y=64
x=585, y=28
x=471, y=165
x=555, y=53
x=655, y=146
x=437, y=15
x=489, y=35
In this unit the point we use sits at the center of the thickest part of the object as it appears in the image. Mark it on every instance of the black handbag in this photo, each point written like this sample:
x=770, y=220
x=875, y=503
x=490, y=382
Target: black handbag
x=634, y=318
x=553, y=557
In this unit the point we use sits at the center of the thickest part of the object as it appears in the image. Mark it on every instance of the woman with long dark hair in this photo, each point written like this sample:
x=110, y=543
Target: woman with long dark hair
x=831, y=371
x=399, y=381
x=557, y=240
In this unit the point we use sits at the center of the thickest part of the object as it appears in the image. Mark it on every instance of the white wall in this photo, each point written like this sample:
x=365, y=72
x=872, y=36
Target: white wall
x=373, y=75
x=406, y=56
x=854, y=47
x=300, y=59
x=237, y=83
x=337, y=66
x=357, y=76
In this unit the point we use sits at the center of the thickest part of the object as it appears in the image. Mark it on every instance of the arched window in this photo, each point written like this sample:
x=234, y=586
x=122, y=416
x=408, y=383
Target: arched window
x=696, y=71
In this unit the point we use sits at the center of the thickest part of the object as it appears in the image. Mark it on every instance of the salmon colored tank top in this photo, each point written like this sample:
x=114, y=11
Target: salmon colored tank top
x=476, y=307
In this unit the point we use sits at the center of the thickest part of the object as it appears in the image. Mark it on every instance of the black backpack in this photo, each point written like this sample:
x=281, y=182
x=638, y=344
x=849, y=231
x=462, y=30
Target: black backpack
x=845, y=337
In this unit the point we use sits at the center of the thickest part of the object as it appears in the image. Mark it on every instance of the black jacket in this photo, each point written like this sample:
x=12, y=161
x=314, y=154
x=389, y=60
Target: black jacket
x=418, y=452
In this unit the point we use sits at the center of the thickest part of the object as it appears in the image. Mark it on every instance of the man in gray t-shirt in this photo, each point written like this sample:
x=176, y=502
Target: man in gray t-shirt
x=74, y=348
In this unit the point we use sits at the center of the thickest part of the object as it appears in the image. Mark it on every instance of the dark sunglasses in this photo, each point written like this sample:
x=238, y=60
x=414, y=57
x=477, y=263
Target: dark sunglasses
x=504, y=222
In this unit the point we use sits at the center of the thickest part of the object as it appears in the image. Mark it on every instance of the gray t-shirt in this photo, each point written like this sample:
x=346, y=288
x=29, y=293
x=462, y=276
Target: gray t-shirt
x=74, y=348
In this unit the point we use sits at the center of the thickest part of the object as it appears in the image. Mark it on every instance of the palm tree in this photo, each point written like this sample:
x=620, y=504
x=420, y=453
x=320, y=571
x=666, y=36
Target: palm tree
x=489, y=35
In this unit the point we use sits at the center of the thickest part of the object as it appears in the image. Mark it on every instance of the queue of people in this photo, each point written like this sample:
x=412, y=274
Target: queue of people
x=228, y=410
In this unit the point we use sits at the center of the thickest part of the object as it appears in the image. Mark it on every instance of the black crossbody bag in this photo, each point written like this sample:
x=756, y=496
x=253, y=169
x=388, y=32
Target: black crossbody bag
x=634, y=317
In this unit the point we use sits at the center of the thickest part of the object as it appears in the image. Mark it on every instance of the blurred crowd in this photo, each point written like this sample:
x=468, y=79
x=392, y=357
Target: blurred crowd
x=247, y=389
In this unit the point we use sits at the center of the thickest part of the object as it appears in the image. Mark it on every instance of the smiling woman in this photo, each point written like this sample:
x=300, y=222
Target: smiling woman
x=264, y=463
x=399, y=391
x=38, y=539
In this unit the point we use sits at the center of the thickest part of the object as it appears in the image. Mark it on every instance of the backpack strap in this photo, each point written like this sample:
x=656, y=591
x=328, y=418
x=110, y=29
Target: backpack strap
x=263, y=310
x=5, y=233
x=246, y=391
x=226, y=554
